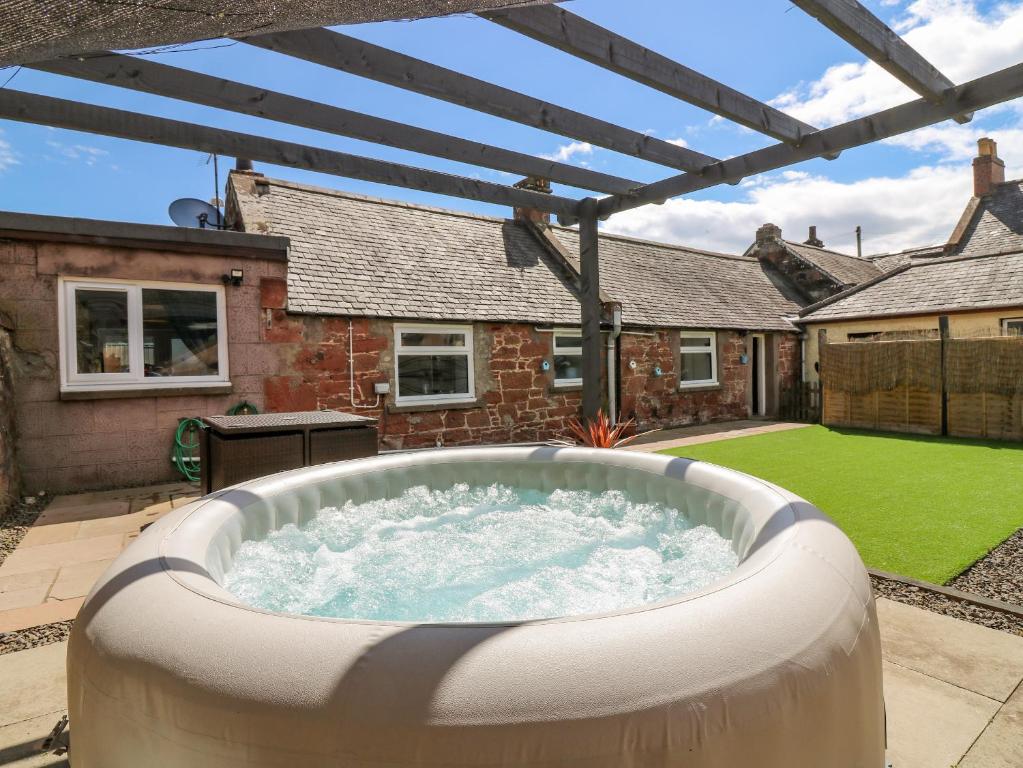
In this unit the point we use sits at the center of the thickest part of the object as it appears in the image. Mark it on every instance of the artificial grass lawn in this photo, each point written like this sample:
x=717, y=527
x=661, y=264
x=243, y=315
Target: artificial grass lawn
x=923, y=507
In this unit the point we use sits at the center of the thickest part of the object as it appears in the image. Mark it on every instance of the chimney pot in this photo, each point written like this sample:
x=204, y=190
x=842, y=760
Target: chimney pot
x=813, y=239
x=533, y=184
x=988, y=168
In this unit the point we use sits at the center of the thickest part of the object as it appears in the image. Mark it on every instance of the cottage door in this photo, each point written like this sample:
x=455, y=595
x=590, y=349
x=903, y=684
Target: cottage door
x=758, y=375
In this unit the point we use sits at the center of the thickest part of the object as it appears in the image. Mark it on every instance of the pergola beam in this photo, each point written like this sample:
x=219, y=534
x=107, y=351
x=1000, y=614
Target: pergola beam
x=977, y=94
x=357, y=57
x=855, y=24
x=175, y=83
x=558, y=28
x=61, y=113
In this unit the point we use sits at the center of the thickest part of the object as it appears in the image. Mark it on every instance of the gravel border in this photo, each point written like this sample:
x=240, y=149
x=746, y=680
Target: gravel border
x=13, y=527
x=998, y=575
x=938, y=603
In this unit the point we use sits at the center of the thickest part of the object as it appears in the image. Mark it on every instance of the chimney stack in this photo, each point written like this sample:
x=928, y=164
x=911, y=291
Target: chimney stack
x=533, y=184
x=768, y=233
x=988, y=168
x=813, y=239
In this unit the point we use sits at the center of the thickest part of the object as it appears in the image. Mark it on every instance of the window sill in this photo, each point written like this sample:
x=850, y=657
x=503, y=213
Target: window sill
x=557, y=389
x=451, y=405
x=125, y=393
x=699, y=387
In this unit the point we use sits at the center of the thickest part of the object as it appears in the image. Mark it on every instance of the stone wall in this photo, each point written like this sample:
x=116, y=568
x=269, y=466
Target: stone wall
x=10, y=475
x=117, y=441
x=516, y=401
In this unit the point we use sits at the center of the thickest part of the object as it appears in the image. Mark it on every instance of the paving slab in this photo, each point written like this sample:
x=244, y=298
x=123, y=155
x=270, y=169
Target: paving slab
x=47, y=556
x=52, y=533
x=43, y=578
x=33, y=683
x=931, y=724
x=104, y=526
x=76, y=580
x=38, y=615
x=970, y=656
x=708, y=433
x=78, y=513
x=1001, y=745
x=21, y=744
x=23, y=598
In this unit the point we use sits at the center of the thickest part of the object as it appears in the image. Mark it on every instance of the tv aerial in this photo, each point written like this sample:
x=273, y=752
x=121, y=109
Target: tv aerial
x=191, y=212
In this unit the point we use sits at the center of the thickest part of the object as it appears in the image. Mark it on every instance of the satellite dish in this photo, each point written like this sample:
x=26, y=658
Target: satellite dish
x=190, y=212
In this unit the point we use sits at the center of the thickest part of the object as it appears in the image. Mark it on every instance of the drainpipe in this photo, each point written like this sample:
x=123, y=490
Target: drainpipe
x=612, y=387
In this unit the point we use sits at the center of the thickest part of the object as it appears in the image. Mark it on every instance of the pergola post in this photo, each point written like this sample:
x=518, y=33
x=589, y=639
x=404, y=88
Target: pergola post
x=589, y=300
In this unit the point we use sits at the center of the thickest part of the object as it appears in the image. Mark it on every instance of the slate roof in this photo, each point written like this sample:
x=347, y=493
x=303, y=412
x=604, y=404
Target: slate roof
x=662, y=285
x=928, y=287
x=886, y=262
x=362, y=256
x=848, y=270
x=997, y=225
x=356, y=255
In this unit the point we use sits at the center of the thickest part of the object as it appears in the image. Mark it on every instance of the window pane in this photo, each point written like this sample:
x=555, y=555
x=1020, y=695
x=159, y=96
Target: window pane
x=568, y=367
x=101, y=331
x=179, y=331
x=697, y=341
x=697, y=367
x=1014, y=327
x=423, y=375
x=432, y=339
x=568, y=342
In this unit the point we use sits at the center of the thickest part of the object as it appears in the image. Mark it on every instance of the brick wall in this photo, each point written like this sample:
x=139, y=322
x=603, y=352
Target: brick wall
x=73, y=445
x=10, y=476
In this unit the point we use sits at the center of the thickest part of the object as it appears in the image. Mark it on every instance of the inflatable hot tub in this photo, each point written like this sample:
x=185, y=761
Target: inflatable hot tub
x=777, y=664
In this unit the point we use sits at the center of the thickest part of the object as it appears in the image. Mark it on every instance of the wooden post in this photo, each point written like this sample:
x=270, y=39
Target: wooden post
x=943, y=330
x=589, y=300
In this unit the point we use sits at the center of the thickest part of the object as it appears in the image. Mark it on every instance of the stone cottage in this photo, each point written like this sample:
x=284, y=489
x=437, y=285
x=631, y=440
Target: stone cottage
x=450, y=328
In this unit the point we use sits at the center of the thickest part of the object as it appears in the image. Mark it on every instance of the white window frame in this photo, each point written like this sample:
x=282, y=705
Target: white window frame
x=1006, y=321
x=135, y=378
x=693, y=350
x=466, y=350
x=555, y=351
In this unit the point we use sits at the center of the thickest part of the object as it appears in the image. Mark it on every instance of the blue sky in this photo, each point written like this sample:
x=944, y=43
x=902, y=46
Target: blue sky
x=905, y=192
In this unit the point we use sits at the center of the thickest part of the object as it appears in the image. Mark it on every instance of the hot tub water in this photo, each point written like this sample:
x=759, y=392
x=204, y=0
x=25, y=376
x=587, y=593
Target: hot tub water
x=479, y=554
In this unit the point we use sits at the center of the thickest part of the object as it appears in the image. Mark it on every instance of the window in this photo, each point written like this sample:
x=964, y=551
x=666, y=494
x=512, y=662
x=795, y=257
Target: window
x=1012, y=326
x=699, y=358
x=434, y=364
x=141, y=335
x=568, y=358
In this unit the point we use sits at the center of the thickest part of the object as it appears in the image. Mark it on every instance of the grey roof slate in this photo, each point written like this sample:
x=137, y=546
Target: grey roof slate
x=663, y=285
x=363, y=256
x=926, y=287
x=849, y=270
x=997, y=225
x=886, y=262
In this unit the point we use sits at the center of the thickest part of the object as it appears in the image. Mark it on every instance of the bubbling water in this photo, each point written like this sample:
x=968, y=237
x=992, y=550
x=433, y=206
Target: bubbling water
x=479, y=554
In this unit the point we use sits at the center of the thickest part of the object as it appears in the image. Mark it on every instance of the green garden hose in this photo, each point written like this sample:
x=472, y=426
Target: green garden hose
x=186, y=448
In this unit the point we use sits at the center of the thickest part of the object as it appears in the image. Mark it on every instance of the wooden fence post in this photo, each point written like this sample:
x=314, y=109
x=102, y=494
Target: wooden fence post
x=943, y=330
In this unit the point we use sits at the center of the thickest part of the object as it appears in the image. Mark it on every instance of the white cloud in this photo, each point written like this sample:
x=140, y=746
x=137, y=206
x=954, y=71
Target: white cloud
x=566, y=152
x=7, y=156
x=78, y=152
x=679, y=142
x=895, y=212
x=954, y=35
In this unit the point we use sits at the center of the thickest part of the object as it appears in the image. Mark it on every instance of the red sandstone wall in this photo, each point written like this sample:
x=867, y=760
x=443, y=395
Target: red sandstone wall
x=516, y=400
x=74, y=445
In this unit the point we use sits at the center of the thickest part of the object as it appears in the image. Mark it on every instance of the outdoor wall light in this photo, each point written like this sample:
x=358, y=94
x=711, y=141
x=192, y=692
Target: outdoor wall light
x=632, y=365
x=545, y=365
x=743, y=359
x=235, y=278
x=658, y=372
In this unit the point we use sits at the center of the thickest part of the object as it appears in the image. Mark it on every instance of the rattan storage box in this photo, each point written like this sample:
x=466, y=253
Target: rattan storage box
x=239, y=448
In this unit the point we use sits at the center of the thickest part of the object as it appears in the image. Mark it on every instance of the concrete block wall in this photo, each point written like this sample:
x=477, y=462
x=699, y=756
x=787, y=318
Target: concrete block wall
x=68, y=445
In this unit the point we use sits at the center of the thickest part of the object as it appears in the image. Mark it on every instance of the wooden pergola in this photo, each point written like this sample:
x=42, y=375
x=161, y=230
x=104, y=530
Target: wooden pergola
x=940, y=99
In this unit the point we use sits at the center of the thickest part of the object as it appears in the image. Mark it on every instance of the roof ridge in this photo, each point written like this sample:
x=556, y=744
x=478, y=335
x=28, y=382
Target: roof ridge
x=960, y=257
x=914, y=249
x=331, y=192
x=826, y=250
x=658, y=244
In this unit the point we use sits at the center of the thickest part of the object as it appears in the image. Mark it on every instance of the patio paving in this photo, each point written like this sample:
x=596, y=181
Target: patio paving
x=953, y=690
x=70, y=544
x=709, y=433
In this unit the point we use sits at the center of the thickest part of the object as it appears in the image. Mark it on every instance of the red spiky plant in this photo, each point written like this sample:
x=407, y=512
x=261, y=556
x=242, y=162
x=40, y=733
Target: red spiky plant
x=599, y=433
